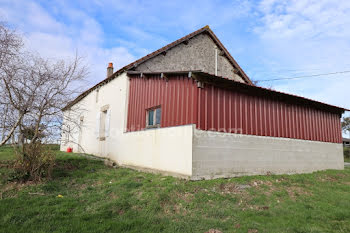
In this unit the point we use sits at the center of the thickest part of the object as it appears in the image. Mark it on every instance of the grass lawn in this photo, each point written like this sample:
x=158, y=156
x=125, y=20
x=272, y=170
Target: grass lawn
x=101, y=199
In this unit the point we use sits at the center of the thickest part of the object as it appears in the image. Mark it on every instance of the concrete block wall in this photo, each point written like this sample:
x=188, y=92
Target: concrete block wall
x=217, y=155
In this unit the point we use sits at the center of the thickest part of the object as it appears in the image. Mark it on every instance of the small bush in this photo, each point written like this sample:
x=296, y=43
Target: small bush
x=34, y=162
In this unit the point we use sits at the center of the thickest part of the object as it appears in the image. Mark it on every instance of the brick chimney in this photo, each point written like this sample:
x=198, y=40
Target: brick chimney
x=109, y=69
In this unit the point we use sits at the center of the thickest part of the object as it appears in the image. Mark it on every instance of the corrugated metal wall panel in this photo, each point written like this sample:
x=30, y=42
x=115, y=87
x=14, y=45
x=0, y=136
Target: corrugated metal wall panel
x=217, y=109
x=229, y=111
x=177, y=97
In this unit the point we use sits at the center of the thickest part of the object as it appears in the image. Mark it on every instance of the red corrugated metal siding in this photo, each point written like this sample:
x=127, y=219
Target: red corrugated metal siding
x=177, y=98
x=223, y=110
x=266, y=117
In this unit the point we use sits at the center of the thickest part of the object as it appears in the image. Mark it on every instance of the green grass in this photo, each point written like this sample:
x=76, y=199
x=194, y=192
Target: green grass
x=101, y=199
x=6, y=153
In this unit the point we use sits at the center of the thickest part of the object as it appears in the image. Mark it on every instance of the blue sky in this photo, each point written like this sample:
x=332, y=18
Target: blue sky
x=268, y=38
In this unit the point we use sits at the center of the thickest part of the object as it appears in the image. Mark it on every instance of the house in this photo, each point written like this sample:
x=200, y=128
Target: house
x=189, y=110
x=346, y=142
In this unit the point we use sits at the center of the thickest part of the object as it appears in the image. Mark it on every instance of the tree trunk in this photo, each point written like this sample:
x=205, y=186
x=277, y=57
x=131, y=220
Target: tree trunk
x=12, y=131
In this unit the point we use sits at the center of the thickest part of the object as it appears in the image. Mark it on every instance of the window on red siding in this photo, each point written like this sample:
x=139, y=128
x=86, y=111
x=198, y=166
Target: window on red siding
x=154, y=116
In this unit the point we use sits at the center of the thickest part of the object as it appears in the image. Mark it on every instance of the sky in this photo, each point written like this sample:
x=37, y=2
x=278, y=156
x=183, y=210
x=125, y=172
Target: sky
x=269, y=39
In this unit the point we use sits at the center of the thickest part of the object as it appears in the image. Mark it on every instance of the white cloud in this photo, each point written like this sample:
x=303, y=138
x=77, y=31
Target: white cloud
x=277, y=38
x=60, y=39
x=307, y=37
x=305, y=18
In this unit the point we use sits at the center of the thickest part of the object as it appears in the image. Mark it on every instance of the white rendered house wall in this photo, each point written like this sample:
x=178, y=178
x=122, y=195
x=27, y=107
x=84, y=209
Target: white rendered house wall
x=166, y=149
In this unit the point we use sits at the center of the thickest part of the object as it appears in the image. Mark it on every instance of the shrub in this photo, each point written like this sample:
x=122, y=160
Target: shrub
x=34, y=162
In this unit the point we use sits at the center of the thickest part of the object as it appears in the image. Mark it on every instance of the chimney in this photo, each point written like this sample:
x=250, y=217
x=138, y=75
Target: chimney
x=109, y=69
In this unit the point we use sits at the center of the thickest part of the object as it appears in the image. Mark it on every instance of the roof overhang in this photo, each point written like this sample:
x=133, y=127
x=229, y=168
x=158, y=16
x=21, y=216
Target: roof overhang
x=222, y=82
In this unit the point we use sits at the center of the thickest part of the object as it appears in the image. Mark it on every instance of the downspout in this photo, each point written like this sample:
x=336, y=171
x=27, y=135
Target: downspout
x=216, y=61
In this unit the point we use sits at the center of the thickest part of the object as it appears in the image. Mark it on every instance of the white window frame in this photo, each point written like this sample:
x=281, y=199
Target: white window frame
x=154, y=109
x=103, y=123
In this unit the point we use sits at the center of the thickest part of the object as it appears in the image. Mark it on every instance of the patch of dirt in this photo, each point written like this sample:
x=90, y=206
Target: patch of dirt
x=67, y=166
x=232, y=188
x=121, y=212
x=187, y=197
x=253, y=231
x=175, y=209
x=254, y=207
x=113, y=196
x=293, y=191
x=139, y=195
x=213, y=231
x=329, y=178
x=139, y=178
x=11, y=189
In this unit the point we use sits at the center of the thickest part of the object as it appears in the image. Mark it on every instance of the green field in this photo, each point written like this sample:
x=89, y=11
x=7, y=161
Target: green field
x=96, y=198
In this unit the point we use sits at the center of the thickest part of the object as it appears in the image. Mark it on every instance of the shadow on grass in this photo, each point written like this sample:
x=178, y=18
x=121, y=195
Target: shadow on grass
x=74, y=166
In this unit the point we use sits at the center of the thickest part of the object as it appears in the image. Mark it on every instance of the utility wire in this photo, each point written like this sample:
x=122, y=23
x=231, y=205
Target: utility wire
x=304, y=76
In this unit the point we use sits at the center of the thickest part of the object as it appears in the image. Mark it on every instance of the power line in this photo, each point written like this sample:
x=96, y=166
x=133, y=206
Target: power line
x=305, y=76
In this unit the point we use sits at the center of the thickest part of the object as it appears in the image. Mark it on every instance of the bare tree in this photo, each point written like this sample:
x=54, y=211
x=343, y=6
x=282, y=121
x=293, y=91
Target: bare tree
x=33, y=91
x=10, y=46
x=346, y=124
x=37, y=89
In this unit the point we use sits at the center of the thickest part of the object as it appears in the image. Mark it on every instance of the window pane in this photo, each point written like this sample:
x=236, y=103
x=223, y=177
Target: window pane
x=158, y=115
x=150, y=117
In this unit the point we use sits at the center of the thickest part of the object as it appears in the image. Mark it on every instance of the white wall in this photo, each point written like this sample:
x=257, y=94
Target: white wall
x=164, y=149
x=226, y=155
x=112, y=94
x=185, y=151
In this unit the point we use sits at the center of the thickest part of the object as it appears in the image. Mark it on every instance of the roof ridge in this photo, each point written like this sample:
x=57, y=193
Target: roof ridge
x=184, y=38
x=206, y=28
x=156, y=52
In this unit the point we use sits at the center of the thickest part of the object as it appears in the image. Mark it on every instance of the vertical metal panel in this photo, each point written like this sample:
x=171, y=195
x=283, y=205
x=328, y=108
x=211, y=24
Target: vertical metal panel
x=334, y=125
x=176, y=97
x=228, y=114
x=340, y=136
x=325, y=130
x=240, y=114
x=255, y=117
x=307, y=123
x=328, y=129
x=247, y=112
x=277, y=119
x=297, y=121
x=338, y=129
x=213, y=108
x=293, y=125
x=267, y=117
x=330, y=125
x=319, y=126
x=311, y=111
